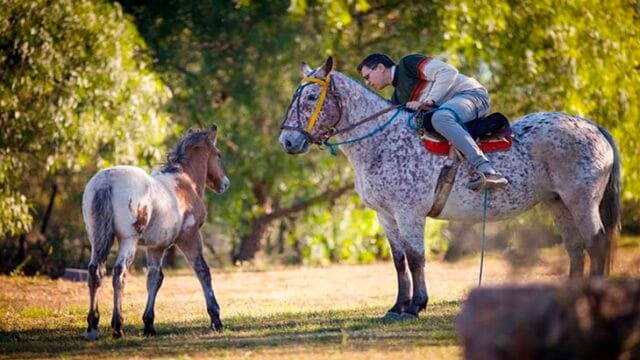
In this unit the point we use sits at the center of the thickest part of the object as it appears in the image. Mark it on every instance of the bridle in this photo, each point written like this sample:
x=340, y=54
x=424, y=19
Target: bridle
x=327, y=84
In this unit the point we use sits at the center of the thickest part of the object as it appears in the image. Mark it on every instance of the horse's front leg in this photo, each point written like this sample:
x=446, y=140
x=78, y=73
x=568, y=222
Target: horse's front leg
x=154, y=281
x=191, y=246
x=412, y=233
x=126, y=254
x=400, y=262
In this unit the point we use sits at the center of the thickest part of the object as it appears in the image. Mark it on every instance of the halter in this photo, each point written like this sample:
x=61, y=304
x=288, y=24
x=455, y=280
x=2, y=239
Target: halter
x=326, y=83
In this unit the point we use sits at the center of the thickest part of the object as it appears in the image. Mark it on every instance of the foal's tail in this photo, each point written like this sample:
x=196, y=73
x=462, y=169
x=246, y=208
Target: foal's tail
x=610, y=203
x=103, y=233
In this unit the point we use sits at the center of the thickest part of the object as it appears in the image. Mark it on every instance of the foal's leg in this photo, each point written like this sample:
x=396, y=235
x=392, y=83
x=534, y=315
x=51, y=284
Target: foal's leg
x=412, y=233
x=191, y=246
x=126, y=255
x=573, y=241
x=96, y=273
x=400, y=262
x=154, y=281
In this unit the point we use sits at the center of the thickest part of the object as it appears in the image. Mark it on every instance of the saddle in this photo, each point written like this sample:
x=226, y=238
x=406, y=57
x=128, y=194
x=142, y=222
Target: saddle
x=492, y=133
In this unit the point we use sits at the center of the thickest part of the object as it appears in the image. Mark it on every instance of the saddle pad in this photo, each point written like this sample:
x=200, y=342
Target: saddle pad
x=495, y=124
x=443, y=147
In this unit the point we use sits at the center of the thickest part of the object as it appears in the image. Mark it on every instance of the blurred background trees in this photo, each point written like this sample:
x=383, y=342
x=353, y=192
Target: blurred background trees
x=100, y=83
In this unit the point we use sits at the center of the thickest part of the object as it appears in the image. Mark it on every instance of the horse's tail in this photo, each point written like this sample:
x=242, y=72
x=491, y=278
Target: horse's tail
x=610, y=203
x=103, y=233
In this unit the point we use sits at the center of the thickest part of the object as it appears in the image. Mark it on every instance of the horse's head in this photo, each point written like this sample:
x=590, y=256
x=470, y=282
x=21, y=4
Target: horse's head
x=314, y=110
x=217, y=179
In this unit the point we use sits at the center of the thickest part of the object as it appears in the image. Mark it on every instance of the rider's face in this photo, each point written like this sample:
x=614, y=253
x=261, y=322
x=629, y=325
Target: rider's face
x=375, y=77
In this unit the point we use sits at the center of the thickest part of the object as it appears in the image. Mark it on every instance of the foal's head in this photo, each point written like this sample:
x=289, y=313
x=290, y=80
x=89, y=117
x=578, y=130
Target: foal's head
x=197, y=150
x=314, y=110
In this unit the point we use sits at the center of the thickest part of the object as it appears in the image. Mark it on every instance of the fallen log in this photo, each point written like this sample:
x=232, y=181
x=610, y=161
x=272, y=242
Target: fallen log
x=596, y=319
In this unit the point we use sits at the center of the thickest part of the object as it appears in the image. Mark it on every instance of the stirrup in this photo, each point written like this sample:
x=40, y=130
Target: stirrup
x=481, y=181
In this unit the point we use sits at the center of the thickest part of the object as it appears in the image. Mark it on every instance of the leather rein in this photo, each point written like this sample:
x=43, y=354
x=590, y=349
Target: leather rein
x=327, y=84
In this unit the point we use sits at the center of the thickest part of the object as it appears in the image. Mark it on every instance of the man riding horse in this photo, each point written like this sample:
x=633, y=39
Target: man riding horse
x=423, y=82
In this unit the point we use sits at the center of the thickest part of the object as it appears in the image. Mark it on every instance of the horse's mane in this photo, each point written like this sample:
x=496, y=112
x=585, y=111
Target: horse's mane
x=177, y=158
x=348, y=78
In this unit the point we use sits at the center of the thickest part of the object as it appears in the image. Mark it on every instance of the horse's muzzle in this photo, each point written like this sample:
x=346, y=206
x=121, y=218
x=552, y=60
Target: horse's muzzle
x=293, y=142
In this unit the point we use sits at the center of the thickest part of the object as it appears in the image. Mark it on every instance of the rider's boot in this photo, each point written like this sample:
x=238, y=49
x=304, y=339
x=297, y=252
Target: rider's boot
x=486, y=177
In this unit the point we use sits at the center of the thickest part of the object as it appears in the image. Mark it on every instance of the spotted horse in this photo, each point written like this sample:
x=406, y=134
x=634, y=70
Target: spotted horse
x=156, y=212
x=567, y=163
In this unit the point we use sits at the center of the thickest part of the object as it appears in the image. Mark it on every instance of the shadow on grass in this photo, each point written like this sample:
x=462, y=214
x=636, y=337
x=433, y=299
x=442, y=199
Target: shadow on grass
x=357, y=329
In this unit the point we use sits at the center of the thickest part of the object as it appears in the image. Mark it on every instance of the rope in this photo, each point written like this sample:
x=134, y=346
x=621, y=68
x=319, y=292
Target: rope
x=331, y=146
x=484, y=223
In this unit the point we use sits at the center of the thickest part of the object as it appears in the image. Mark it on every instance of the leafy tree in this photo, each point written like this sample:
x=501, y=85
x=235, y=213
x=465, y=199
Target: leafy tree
x=76, y=94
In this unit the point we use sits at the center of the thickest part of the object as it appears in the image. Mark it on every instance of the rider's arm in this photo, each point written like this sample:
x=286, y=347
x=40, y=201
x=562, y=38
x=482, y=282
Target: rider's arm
x=441, y=76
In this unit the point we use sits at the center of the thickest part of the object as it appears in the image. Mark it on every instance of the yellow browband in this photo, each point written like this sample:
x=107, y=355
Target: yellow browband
x=323, y=95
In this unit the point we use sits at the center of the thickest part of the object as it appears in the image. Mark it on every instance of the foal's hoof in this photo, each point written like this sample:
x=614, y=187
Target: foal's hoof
x=405, y=316
x=391, y=317
x=91, y=335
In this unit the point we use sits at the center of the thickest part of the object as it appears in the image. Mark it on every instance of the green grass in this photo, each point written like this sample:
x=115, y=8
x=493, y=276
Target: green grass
x=290, y=313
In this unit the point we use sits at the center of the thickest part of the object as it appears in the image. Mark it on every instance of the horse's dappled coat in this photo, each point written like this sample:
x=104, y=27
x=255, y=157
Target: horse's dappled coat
x=563, y=161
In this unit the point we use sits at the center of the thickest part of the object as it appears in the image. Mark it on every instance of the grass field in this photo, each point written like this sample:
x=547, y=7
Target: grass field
x=285, y=313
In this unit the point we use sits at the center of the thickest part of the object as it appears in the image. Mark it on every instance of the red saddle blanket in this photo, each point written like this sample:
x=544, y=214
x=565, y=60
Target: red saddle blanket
x=443, y=147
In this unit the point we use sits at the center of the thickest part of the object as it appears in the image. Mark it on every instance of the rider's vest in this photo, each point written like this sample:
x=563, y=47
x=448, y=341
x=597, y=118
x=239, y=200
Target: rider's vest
x=408, y=80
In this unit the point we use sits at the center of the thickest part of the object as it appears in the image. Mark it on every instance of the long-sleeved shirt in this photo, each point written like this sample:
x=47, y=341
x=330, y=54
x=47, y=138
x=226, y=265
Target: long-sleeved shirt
x=421, y=78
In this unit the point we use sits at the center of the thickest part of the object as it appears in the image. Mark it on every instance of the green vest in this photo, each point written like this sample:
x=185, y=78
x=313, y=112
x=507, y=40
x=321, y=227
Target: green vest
x=408, y=80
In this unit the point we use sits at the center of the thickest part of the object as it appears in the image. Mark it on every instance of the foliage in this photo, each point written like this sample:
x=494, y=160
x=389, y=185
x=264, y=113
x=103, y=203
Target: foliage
x=579, y=56
x=77, y=94
x=81, y=89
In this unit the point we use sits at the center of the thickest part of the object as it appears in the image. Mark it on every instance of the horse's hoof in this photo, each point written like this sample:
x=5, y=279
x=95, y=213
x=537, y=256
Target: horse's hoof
x=117, y=334
x=408, y=316
x=217, y=327
x=91, y=335
x=150, y=332
x=390, y=317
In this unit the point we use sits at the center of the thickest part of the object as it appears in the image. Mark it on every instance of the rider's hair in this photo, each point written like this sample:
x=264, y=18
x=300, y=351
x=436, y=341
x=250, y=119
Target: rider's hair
x=372, y=60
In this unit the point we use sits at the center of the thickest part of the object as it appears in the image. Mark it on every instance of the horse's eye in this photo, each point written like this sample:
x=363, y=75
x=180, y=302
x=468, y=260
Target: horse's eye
x=312, y=97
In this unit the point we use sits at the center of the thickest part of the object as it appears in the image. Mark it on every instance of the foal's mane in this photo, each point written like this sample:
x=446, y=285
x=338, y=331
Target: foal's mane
x=178, y=157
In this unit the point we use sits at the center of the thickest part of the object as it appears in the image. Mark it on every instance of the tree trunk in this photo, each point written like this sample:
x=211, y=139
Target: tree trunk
x=251, y=242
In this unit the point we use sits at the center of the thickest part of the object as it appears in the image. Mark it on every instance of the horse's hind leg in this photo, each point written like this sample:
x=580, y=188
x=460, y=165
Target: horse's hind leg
x=400, y=262
x=96, y=271
x=573, y=241
x=154, y=281
x=191, y=247
x=126, y=254
x=586, y=215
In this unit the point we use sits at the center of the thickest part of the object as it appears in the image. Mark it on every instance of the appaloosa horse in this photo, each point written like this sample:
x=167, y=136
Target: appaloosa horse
x=568, y=163
x=156, y=211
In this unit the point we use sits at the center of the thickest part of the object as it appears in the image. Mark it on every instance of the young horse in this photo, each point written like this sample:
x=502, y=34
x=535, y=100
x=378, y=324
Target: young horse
x=154, y=211
x=569, y=164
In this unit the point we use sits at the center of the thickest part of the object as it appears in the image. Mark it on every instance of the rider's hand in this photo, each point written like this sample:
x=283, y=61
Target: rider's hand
x=427, y=105
x=413, y=105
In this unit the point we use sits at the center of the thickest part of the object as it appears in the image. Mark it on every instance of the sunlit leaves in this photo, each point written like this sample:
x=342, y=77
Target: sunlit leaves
x=75, y=92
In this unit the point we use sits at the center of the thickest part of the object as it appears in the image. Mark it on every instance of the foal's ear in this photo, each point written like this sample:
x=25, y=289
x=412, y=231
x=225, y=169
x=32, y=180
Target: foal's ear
x=305, y=69
x=213, y=132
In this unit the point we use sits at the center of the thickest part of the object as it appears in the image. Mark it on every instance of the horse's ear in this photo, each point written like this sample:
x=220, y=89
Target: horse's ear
x=213, y=132
x=305, y=68
x=328, y=65
x=325, y=68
